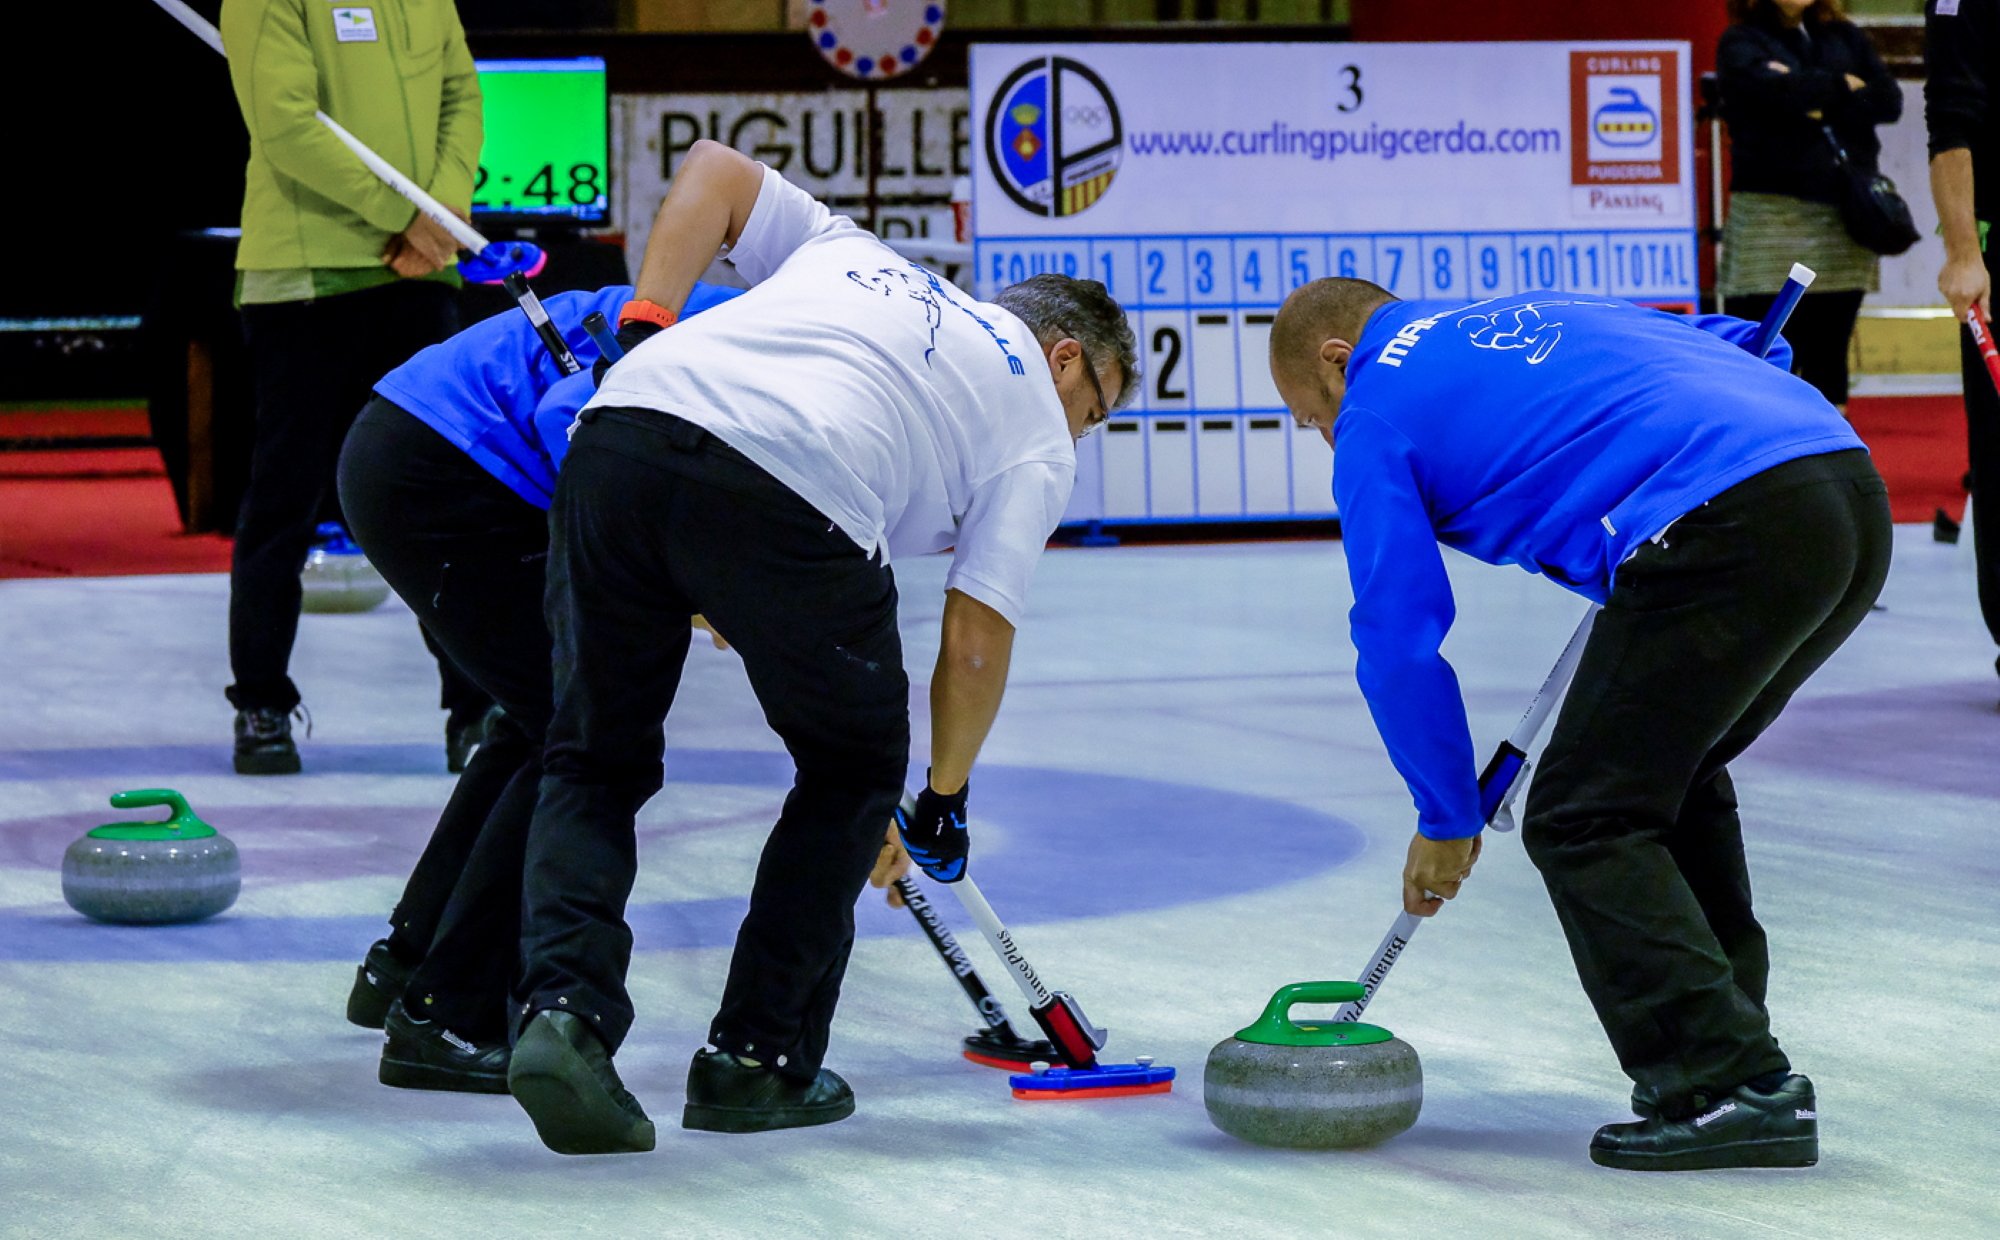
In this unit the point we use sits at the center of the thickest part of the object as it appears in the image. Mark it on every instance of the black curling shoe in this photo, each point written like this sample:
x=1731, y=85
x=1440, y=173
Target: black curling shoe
x=378, y=982
x=264, y=743
x=727, y=1095
x=1749, y=1127
x=562, y=1076
x=423, y=1054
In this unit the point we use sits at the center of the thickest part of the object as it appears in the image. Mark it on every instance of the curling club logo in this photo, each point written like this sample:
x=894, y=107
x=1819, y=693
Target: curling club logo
x=1626, y=105
x=1053, y=136
x=1625, y=120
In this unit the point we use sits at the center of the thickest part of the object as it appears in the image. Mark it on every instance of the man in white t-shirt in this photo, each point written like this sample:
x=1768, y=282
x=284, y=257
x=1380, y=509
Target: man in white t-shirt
x=761, y=464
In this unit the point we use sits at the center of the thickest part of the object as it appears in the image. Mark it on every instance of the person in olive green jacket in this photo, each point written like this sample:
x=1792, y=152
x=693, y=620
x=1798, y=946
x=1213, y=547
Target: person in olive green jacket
x=340, y=280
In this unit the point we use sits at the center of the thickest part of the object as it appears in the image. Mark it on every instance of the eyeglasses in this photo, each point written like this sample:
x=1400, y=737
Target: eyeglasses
x=1092, y=422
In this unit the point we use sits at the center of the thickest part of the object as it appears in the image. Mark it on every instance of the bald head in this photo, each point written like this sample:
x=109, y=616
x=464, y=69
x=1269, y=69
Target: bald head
x=1314, y=335
x=1319, y=311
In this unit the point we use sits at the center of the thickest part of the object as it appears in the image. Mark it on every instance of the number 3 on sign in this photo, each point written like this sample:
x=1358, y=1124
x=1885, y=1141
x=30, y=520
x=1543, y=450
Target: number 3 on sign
x=1350, y=89
x=1208, y=271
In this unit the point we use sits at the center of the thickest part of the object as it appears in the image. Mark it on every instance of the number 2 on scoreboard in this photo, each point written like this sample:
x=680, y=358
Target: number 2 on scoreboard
x=1167, y=384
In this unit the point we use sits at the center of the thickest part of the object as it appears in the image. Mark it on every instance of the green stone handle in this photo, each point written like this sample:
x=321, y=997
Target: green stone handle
x=1277, y=1017
x=183, y=817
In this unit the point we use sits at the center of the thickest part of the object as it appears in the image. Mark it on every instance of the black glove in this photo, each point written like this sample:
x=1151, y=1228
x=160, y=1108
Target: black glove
x=630, y=336
x=934, y=833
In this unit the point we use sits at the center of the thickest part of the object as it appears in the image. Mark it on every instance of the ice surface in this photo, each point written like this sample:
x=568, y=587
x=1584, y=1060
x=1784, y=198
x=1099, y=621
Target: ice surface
x=1183, y=807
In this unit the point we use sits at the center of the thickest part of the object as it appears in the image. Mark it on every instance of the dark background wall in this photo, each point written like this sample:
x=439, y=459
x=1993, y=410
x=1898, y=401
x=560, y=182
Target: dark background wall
x=133, y=132
x=121, y=130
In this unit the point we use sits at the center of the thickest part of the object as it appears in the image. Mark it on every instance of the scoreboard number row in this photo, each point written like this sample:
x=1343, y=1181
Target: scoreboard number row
x=1236, y=271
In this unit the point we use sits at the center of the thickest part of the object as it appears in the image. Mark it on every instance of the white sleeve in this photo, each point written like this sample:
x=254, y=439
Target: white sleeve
x=1005, y=528
x=784, y=218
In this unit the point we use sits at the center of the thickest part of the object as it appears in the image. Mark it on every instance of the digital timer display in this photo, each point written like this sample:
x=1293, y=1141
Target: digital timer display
x=546, y=155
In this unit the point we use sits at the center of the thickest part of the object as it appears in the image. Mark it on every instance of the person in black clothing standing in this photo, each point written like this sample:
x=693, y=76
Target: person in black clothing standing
x=1791, y=71
x=1962, y=58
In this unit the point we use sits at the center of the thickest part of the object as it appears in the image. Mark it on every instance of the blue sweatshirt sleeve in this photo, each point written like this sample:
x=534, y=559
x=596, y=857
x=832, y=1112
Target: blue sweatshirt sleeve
x=1740, y=332
x=1402, y=610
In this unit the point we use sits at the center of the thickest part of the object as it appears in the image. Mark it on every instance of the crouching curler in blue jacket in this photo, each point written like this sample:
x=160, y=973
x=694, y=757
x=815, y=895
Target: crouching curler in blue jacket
x=446, y=479
x=1736, y=533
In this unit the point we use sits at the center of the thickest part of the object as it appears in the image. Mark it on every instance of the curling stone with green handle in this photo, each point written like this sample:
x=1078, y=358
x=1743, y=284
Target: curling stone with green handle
x=1329, y=1085
x=152, y=873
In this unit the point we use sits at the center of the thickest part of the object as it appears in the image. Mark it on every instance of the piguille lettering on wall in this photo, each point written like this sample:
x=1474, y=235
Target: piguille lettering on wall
x=818, y=140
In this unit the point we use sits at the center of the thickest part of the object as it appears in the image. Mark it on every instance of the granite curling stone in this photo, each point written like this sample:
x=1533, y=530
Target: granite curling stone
x=1330, y=1085
x=152, y=873
x=338, y=577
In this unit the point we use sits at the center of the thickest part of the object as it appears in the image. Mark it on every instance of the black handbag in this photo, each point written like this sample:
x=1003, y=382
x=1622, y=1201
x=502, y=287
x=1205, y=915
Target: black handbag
x=1875, y=214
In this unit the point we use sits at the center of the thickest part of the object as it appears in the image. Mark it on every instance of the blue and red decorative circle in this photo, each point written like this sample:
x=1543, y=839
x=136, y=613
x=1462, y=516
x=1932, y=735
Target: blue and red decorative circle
x=842, y=29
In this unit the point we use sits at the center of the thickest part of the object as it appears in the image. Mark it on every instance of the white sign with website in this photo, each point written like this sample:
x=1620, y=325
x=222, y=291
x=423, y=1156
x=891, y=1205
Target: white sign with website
x=1202, y=182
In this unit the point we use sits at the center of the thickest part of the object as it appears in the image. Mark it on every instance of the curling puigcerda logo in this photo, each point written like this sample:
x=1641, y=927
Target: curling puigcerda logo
x=1625, y=120
x=1053, y=136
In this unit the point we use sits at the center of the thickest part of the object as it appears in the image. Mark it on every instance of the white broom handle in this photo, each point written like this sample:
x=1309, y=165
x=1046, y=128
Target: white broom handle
x=1393, y=943
x=982, y=914
x=1552, y=688
x=465, y=234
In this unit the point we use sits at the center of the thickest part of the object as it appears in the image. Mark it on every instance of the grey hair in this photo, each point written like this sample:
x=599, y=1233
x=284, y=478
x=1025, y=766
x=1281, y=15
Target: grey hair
x=1057, y=306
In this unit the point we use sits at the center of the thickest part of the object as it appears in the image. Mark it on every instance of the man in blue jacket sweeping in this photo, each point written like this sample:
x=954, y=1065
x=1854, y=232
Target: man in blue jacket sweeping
x=1736, y=533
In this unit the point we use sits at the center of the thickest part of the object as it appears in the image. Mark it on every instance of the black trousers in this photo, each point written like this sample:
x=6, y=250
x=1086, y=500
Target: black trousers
x=313, y=364
x=1982, y=440
x=458, y=693
x=469, y=556
x=1632, y=819
x=655, y=520
x=1818, y=331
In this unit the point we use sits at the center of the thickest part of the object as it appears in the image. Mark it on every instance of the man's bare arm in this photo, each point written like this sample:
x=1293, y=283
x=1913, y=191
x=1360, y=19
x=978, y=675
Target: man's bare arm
x=705, y=209
x=966, y=688
x=1964, y=279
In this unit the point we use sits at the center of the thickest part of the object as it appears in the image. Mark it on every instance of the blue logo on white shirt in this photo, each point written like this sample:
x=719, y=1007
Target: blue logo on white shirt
x=933, y=294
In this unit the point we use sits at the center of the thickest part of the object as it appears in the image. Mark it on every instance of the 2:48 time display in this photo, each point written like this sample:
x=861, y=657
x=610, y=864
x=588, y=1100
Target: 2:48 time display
x=585, y=187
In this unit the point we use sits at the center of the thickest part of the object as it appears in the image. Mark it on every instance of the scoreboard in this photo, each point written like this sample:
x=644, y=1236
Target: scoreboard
x=1201, y=184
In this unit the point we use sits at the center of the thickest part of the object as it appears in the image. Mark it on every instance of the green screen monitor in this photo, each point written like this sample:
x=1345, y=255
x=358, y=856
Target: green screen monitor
x=546, y=158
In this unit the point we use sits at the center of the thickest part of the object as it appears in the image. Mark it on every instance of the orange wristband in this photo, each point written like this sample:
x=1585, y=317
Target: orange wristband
x=639, y=310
